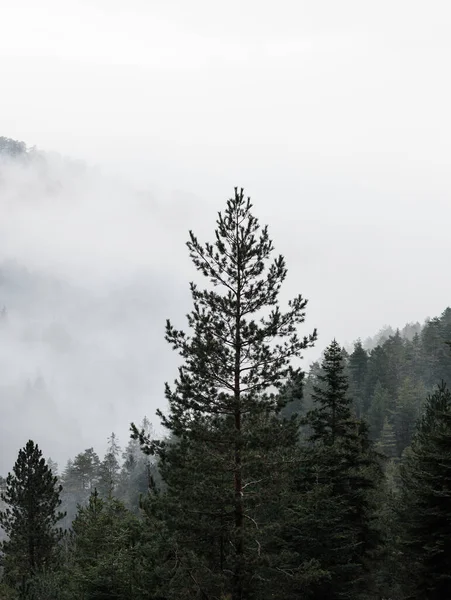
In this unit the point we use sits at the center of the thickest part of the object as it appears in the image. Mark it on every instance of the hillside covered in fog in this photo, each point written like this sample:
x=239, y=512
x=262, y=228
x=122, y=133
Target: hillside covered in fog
x=90, y=268
x=83, y=302
x=262, y=478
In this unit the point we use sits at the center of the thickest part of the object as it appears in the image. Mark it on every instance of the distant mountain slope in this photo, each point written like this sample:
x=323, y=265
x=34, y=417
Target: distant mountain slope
x=88, y=275
x=390, y=381
x=408, y=332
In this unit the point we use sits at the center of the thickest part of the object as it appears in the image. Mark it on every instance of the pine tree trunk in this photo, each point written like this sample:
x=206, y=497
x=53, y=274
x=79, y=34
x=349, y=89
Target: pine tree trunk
x=239, y=509
x=239, y=518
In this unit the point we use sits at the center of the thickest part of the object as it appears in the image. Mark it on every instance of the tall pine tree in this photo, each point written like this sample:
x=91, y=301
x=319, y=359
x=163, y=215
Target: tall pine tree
x=220, y=409
x=109, y=469
x=358, y=362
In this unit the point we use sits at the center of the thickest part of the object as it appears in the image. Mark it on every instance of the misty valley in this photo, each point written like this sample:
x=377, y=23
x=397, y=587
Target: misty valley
x=230, y=471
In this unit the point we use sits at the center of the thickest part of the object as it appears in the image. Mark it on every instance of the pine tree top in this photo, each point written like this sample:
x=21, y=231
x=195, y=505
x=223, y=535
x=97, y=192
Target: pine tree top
x=332, y=413
x=239, y=345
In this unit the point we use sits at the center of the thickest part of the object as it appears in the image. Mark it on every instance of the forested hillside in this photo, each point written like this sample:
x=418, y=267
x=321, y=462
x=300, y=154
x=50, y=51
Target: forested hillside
x=267, y=482
x=253, y=494
x=389, y=383
x=388, y=387
x=75, y=324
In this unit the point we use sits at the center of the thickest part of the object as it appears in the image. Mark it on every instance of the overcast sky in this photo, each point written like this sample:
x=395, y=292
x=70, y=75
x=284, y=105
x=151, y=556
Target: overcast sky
x=334, y=116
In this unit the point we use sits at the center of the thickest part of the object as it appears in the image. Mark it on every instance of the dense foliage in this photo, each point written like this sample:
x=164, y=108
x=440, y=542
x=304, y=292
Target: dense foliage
x=426, y=494
x=32, y=498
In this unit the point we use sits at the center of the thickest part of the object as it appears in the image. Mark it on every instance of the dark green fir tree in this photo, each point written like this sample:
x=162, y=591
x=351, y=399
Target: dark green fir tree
x=30, y=519
x=330, y=418
x=357, y=365
x=344, y=462
x=426, y=501
x=106, y=553
x=380, y=403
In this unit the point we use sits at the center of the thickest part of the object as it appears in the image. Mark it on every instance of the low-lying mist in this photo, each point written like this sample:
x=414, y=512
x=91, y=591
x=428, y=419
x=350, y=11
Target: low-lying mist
x=91, y=267
x=89, y=271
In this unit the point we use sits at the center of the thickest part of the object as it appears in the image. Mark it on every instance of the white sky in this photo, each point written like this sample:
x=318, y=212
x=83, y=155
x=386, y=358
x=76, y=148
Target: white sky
x=334, y=116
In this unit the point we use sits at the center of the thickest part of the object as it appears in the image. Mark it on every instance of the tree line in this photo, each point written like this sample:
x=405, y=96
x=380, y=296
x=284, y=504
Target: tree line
x=269, y=483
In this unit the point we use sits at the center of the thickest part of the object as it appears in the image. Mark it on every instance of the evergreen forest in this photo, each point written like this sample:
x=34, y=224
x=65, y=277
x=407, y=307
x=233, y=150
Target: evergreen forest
x=270, y=482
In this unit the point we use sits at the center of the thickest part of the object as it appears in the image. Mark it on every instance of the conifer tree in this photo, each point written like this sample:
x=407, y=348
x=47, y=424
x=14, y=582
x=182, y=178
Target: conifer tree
x=426, y=500
x=434, y=337
x=86, y=469
x=32, y=498
x=292, y=395
x=415, y=361
x=407, y=409
x=343, y=459
x=358, y=362
x=109, y=469
x=387, y=440
x=104, y=552
x=377, y=370
x=79, y=479
x=239, y=349
x=308, y=385
x=53, y=466
x=395, y=366
x=136, y=472
x=333, y=411
x=380, y=403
